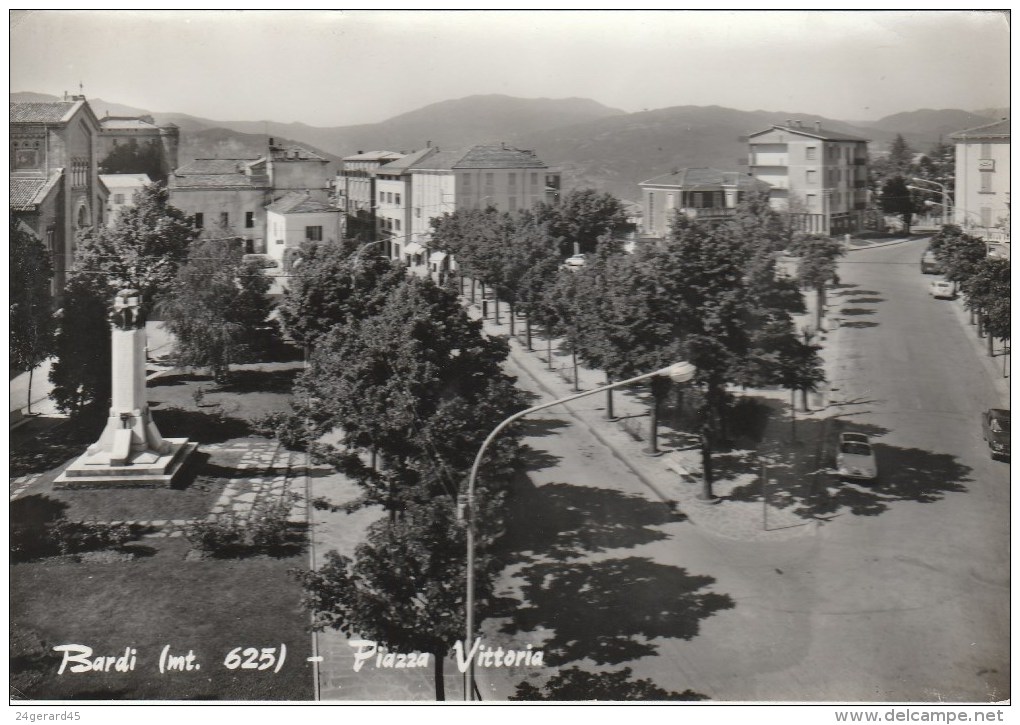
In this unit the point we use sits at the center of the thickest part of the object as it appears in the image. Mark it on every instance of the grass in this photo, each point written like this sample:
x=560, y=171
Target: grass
x=207, y=607
x=161, y=596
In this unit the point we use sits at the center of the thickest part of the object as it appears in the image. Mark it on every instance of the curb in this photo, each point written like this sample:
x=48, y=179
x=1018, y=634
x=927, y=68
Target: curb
x=885, y=244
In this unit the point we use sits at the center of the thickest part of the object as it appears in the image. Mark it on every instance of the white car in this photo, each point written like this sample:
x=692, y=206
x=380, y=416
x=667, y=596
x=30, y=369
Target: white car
x=856, y=458
x=940, y=289
x=574, y=262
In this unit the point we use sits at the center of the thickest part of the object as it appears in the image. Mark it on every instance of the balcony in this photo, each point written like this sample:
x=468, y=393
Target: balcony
x=707, y=212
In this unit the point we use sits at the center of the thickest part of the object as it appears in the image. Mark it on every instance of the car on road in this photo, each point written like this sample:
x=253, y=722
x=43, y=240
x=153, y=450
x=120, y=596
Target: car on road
x=856, y=457
x=574, y=262
x=995, y=431
x=929, y=265
x=941, y=289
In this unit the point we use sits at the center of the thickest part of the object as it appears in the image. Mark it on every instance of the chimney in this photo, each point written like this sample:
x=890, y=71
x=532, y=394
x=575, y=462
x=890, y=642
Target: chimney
x=818, y=125
x=428, y=144
x=272, y=141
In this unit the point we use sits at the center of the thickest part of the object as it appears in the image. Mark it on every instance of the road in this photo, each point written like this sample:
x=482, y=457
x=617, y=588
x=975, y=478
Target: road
x=901, y=594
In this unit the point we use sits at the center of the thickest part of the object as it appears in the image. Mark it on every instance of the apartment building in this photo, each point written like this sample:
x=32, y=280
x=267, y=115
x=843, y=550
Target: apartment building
x=705, y=194
x=982, y=180
x=122, y=189
x=817, y=175
x=355, y=193
x=505, y=177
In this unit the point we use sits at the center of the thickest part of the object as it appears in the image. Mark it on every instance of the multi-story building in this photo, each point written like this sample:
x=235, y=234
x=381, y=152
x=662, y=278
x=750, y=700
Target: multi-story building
x=356, y=191
x=226, y=197
x=122, y=189
x=982, y=180
x=296, y=169
x=700, y=193
x=136, y=145
x=504, y=177
x=291, y=221
x=818, y=176
x=55, y=188
x=432, y=194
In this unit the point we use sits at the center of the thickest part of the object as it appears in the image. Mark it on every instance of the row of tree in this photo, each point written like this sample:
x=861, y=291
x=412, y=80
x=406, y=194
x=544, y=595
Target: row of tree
x=892, y=174
x=984, y=280
x=708, y=294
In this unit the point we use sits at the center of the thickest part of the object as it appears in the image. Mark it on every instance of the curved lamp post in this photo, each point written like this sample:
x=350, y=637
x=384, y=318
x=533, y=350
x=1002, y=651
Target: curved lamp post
x=681, y=372
x=947, y=200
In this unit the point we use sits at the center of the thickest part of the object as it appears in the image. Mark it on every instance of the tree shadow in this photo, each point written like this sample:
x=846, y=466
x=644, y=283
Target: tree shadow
x=859, y=324
x=178, y=379
x=865, y=301
x=611, y=611
x=566, y=521
x=801, y=480
x=200, y=427
x=851, y=289
x=259, y=381
x=853, y=311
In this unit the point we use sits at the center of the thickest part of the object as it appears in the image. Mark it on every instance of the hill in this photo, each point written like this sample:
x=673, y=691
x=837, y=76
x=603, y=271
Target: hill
x=926, y=126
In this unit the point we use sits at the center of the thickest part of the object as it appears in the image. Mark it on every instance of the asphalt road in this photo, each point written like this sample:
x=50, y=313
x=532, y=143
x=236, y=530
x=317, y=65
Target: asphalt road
x=901, y=594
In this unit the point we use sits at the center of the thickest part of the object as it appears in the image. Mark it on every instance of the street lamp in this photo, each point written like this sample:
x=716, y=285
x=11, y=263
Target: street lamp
x=681, y=372
x=947, y=200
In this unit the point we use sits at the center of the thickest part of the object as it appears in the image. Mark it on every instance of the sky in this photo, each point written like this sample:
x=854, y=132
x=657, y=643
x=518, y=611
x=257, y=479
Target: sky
x=333, y=68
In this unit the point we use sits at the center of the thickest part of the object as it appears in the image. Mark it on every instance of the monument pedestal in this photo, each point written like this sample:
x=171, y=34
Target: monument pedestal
x=130, y=451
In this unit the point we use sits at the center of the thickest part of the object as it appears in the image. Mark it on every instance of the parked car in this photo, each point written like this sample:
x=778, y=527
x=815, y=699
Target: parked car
x=929, y=265
x=940, y=289
x=574, y=262
x=995, y=431
x=856, y=457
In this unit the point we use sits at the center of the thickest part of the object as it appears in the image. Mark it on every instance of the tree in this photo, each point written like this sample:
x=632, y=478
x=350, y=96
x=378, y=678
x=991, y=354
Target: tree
x=418, y=383
x=333, y=285
x=896, y=199
x=403, y=590
x=957, y=253
x=938, y=165
x=217, y=308
x=31, y=304
x=819, y=260
x=987, y=289
x=132, y=158
x=576, y=685
x=581, y=217
x=901, y=156
x=81, y=371
x=143, y=251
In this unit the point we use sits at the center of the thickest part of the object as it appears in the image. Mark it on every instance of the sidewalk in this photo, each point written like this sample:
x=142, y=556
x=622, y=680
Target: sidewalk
x=675, y=476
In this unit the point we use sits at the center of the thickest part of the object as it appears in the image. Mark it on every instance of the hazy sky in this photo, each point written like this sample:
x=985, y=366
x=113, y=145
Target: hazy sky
x=328, y=68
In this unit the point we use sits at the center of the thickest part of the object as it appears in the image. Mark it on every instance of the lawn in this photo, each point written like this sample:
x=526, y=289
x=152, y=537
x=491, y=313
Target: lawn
x=205, y=607
x=156, y=592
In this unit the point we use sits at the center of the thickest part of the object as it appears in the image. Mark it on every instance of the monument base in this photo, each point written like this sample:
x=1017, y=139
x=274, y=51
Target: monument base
x=143, y=469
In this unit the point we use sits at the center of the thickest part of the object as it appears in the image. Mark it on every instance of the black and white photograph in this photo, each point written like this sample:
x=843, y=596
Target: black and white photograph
x=510, y=357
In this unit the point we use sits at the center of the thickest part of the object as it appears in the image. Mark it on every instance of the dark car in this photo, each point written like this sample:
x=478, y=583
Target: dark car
x=995, y=431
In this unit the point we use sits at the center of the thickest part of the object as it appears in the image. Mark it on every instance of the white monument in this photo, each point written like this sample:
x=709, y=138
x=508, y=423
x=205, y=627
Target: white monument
x=130, y=452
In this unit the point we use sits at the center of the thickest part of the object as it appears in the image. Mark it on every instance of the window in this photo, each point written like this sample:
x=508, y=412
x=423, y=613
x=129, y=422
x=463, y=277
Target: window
x=811, y=176
x=810, y=153
x=397, y=199
x=511, y=179
x=396, y=224
x=986, y=182
x=670, y=201
x=249, y=220
x=224, y=219
x=118, y=198
x=382, y=196
x=199, y=220
x=313, y=234
x=811, y=202
x=417, y=212
x=651, y=208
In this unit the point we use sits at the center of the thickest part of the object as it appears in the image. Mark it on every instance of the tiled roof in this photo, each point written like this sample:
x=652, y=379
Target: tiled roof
x=215, y=166
x=814, y=132
x=124, y=181
x=294, y=153
x=693, y=179
x=41, y=112
x=998, y=129
x=127, y=124
x=402, y=164
x=441, y=161
x=27, y=192
x=374, y=156
x=499, y=157
x=297, y=202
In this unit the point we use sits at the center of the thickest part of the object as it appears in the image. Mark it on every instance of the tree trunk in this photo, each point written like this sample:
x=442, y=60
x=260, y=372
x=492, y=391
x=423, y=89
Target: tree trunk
x=991, y=351
x=31, y=370
x=653, y=417
x=573, y=360
x=804, y=399
x=511, y=306
x=980, y=324
x=438, y=674
x=793, y=415
x=495, y=298
x=472, y=290
x=527, y=330
x=609, y=400
x=820, y=302
x=548, y=348
x=706, y=467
